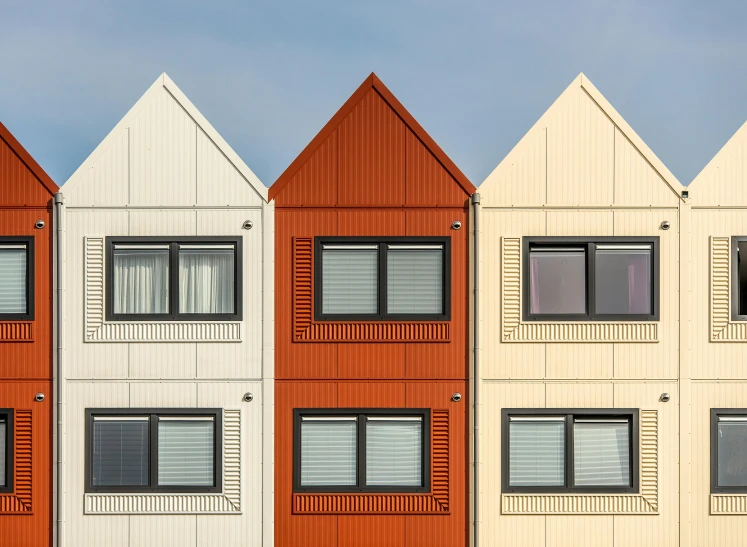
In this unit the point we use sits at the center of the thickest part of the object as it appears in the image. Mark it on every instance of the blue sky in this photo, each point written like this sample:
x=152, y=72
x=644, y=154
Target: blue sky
x=476, y=74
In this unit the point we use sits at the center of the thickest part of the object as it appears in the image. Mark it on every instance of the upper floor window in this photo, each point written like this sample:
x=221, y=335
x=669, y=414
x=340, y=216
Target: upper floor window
x=185, y=279
x=16, y=278
x=728, y=450
x=739, y=278
x=591, y=279
x=6, y=450
x=369, y=278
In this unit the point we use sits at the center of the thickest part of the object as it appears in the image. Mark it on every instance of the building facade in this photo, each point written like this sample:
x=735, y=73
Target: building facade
x=168, y=360
x=371, y=334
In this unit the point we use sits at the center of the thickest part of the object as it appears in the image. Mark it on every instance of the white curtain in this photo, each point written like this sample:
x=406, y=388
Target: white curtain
x=350, y=279
x=537, y=451
x=3, y=434
x=120, y=451
x=328, y=452
x=13, y=279
x=206, y=280
x=141, y=281
x=415, y=279
x=186, y=452
x=601, y=453
x=394, y=451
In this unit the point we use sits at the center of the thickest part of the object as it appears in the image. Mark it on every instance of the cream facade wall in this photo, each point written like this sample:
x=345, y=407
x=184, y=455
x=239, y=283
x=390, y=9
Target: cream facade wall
x=580, y=171
x=164, y=171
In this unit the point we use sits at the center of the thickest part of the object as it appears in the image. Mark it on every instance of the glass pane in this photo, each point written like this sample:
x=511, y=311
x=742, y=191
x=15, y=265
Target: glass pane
x=537, y=453
x=742, y=276
x=557, y=281
x=623, y=281
x=601, y=453
x=185, y=452
x=732, y=453
x=120, y=452
x=394, y=452
x=350, y=280
x=140, y=281
x=206, y=278
x=415, y=280
x=13, y=279
x=328, y=453
x=3, y=441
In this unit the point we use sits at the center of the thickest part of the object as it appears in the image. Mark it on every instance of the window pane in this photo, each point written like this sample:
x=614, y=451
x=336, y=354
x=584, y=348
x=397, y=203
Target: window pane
x=732, y=453
x=557, y=281
x=3, y=445
x=206, y=278
x=328, y=452
x=415, y=279
x=394, y=452
x=601, y=453
x=742, y=276
x=13, y=279
x=140, y=281
x=185, y=452
x=120, y=452
x=536, y=453
x=350, y=279
x=623, y=279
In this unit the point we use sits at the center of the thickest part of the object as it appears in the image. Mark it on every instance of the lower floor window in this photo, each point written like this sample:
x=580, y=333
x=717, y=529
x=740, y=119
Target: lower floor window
x=356, y=450
x=728, y=450
x=163, y=450
x=6, y=449
x=559, y=450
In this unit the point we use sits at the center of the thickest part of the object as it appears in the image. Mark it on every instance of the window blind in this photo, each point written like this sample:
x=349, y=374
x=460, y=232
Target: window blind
x=350, y=279
x=394, y=451
x=13, y=279
x=415, y=279
x=206, y=279
x=140, y=279
x=537, y=451
x=185, y=451
x=120, y=451
x=3, y=446
x=328, y=451
x=601, y=452
x=732, y=451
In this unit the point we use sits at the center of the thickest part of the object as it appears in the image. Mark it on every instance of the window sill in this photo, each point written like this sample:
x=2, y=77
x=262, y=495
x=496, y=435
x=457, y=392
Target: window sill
x=16, y=331
x=729, y=504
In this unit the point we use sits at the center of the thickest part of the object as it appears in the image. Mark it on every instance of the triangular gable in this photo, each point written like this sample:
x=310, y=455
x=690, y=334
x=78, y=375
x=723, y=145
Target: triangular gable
x=320, y=155
x=165, y=119
x=20, y=154
x=581, y=152
x=722, y=180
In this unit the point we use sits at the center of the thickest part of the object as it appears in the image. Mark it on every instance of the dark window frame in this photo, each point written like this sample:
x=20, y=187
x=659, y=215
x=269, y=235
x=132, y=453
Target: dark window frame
x=7, y=414
x=589, y=242
x=734, y=281
x=174, y=242
x=361, y=414
x=153, y=414
x=715, y=413
x=570, y=413
x=382, y=242
x=28, y=241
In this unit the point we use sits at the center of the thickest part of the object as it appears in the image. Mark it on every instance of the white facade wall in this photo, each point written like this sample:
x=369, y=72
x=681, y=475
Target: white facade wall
x=164, y=171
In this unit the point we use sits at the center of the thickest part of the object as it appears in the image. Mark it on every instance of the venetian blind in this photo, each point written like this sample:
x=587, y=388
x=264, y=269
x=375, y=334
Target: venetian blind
x=394, y=451
x=186, y=448
x=328, y=451
x=350, y=279
x=415, y=279
x=3, y=441
x=536, y=451
x=120, y=451
x=13, y=279
x=601, y=452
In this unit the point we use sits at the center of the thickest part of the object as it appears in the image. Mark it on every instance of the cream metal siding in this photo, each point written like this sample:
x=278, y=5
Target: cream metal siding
x=164, y=171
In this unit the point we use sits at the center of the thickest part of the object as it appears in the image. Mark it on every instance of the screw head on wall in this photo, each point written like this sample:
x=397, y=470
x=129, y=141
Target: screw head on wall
x=247, y=398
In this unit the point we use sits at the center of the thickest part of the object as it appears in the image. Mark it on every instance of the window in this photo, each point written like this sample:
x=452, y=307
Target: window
x=559, y=450
x=396, y=278
x=6, y=450
x=728, y=450
x=16, y=278
x=582, y=279
x=361, y=450
x=739, y=278
x=157, y=279
x=147, y=450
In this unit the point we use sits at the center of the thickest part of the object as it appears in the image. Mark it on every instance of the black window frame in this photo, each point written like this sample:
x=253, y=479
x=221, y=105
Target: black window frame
x=153, y=414
x=631, y=414
x=382, y=242
x=7, y=415
x=28, y=241
x=174, y=242
x=734, y=281
x=362, y=414
x=715, y=413
x=589, y=242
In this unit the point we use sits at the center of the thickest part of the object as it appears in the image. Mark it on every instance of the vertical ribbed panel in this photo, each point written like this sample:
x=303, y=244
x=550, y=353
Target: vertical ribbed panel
x=18, y=184
x=20, y=500
x=721, y=182
x=649, y=459
x=428, y=183
x=637, y=183
x=315, y=182
x=232, y=457
x=16, y=332
x=94, y=283
x=303, y=284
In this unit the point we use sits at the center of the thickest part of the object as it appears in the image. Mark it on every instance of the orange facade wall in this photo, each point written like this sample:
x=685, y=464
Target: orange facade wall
x=372, y=171
x=26, y=193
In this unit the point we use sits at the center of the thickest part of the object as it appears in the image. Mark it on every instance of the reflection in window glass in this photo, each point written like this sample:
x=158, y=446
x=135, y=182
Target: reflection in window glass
x=557, y=280
x=623, y=279
x=732, y=451
x=120, y=451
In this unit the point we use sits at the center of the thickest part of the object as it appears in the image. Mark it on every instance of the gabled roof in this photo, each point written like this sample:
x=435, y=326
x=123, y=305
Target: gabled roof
x=26, y=158
x=721, y=182
x=163, y=81
x=372, y=82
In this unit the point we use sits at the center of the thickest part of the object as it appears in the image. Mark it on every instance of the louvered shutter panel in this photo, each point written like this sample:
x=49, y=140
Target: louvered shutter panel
x=394, y=451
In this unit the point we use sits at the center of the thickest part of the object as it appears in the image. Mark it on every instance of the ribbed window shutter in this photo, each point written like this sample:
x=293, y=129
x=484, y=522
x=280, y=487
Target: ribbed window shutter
x=3, y=441
x=415, y=279
x=186, y=451
x=601, y=452
x=394, y=451
x=328, y=452
x=120, y=451
x=350, y=279
x=13, y=279
x=537, y=452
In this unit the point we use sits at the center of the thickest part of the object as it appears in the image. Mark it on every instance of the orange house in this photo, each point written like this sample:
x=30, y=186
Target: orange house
x=371, y=336
x=26, y=236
